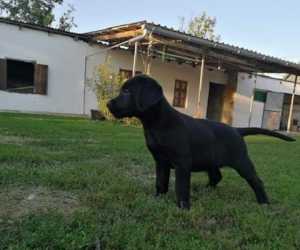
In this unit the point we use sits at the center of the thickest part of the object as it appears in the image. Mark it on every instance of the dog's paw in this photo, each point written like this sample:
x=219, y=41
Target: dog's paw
x=210, y=186
x=184, y=205
x=158, y=195
x=160, y=192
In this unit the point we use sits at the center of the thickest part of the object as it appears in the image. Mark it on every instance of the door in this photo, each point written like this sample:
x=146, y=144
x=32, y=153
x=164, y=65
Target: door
x=257, y=114
x=215, y=101
x=273, y=111
x=258, y=107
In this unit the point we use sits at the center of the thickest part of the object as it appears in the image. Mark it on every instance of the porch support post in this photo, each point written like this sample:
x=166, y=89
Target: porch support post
x=148, y=65
x=136, y=45
x=252, y=101
x=289, y=126
x=202, y=68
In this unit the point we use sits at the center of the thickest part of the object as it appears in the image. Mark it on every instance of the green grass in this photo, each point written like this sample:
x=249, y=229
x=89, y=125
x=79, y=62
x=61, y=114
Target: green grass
x=71, y=183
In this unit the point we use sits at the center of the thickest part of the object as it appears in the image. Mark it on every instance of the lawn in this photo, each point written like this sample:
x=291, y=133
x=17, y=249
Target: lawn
x=72, y=183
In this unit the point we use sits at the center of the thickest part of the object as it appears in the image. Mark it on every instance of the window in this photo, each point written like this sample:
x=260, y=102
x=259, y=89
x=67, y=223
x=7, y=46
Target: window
x=127, y=74
x=260, y=96
x=180, y=93
x=23, y=77
x=20, y=76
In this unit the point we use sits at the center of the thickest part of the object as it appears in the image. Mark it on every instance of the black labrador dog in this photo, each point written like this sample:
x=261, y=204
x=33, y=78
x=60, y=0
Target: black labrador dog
x=180, y=142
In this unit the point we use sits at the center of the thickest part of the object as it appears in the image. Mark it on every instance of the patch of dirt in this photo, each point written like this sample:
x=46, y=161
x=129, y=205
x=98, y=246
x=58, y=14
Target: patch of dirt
x=16, y=140
x=20, y=201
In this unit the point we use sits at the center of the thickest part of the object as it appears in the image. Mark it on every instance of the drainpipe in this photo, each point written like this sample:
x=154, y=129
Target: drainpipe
x=130, y=41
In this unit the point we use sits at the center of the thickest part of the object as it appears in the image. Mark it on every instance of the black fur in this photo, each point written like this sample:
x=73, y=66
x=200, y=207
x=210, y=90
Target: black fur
x=261, y=131
x=185, y=144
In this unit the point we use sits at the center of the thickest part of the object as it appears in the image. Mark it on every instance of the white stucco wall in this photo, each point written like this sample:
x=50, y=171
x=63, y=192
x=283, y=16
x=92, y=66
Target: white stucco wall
x=165, y=73
x=245, y=88
x=65, y=58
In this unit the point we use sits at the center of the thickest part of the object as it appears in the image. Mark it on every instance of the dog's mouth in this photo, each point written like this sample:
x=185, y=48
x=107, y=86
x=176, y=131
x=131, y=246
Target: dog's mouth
x=122, y=114
x=118, y=113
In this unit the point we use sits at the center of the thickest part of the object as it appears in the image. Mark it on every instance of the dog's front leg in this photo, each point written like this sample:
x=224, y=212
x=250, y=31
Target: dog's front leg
x=162, y=178
x=182, y=186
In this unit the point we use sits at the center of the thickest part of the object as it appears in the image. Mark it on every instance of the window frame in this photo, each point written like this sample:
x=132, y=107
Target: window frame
x=40, y=76
x=177, y=99
x=21, y=61
x=257, y=95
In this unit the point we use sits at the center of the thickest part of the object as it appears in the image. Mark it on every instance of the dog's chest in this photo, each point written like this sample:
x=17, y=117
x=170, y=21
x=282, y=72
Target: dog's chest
x=160, y=142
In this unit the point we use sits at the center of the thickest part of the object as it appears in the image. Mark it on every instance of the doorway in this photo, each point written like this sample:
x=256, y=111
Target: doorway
x=215, y=101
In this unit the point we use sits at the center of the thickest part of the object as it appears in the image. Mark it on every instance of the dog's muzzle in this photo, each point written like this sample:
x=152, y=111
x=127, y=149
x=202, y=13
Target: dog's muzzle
x=111, y=105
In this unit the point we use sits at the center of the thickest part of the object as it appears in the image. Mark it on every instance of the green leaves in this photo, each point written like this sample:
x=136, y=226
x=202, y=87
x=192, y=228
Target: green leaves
x=202, y=26
x=39, y=12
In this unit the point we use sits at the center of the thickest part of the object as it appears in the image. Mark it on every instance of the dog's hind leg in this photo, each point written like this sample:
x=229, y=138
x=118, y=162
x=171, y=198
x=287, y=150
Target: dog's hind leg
x=215, y=176
x=246, y=170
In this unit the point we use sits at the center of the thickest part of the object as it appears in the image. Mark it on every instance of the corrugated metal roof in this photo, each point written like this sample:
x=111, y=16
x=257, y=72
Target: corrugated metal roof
x=188, y=38
x=239, y=51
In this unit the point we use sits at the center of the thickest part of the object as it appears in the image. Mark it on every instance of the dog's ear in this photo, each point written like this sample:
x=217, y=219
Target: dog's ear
x=149, y=94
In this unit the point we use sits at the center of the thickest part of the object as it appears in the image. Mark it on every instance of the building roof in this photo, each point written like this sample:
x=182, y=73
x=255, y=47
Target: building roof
x=44, y=28
x=256, y=61
x=232, y=56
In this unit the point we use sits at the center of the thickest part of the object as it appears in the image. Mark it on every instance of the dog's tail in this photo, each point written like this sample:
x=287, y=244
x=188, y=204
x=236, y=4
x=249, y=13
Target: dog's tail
x=261, y=131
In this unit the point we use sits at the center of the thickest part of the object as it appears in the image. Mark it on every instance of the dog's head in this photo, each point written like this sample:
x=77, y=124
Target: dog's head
x=137, y=95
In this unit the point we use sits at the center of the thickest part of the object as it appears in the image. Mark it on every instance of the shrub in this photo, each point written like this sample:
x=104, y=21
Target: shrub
x=107, y=84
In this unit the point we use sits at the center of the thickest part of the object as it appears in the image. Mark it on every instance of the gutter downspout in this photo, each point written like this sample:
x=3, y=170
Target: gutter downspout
x=130, y=41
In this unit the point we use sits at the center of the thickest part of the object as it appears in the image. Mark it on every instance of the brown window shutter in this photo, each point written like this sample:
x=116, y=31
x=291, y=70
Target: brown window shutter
x=3, y=74
x=41, y=79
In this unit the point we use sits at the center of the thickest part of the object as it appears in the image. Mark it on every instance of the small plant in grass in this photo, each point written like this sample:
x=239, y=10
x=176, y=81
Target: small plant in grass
x=106, y=85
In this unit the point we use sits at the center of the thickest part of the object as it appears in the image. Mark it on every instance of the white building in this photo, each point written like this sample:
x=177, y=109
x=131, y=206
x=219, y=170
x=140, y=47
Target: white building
x=45, y=70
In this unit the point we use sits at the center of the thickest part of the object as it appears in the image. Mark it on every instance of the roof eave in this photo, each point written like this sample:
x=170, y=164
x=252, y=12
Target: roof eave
x=286, y=66
x=45, y=29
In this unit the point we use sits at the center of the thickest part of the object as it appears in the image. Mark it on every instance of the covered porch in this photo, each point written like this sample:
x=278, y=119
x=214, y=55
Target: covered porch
x=152, y=45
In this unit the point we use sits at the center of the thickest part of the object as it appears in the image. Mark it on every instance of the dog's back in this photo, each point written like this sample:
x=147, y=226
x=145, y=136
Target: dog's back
x=213, y=143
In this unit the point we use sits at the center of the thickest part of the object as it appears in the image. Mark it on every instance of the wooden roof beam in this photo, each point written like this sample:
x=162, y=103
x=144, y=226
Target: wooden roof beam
x=119, y=35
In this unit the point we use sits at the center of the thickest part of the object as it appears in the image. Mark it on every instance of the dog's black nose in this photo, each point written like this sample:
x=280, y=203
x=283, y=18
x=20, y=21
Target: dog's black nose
x=109, y=104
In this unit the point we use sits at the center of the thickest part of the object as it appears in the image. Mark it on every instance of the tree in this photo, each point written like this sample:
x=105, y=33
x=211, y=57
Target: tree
x=66, y=21
x=202, y=26
x=39, y=12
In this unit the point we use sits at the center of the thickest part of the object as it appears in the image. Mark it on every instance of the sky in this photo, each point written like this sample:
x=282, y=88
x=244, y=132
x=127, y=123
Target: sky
x=269, y=27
